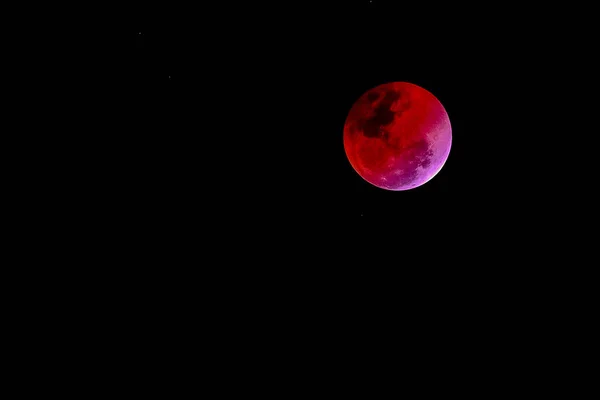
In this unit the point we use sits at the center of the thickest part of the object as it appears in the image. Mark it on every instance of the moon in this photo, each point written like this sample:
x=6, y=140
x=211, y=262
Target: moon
x=397, y=136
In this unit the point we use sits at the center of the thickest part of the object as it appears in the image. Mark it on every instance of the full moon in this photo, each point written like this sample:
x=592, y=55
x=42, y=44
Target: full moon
x=397, y=136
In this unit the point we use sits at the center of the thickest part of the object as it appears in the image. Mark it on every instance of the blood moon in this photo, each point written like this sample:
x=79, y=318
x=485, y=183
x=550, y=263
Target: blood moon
x=397, y=136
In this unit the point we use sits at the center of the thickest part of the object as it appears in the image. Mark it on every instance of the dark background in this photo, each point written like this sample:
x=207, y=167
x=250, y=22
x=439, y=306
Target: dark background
x=202, y=194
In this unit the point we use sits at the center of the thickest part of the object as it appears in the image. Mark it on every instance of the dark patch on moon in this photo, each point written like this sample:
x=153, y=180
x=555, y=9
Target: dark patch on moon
x=423, y=153
x=426, y=160
x=383, y=116
x=372, y=96
x=391, y=96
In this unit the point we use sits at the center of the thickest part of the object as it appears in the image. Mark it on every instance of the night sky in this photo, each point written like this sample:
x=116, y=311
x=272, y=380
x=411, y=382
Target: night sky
x=215, y=211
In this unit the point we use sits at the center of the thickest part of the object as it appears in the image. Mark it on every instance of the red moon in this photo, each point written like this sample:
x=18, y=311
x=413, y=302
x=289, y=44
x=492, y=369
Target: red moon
x=397, y=136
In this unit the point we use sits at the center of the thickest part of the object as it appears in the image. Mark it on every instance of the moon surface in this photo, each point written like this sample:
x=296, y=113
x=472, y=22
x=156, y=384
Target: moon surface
x=397, y=136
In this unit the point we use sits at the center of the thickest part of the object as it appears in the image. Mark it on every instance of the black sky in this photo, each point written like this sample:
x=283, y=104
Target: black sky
x=201, y=163
x=187, y=213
